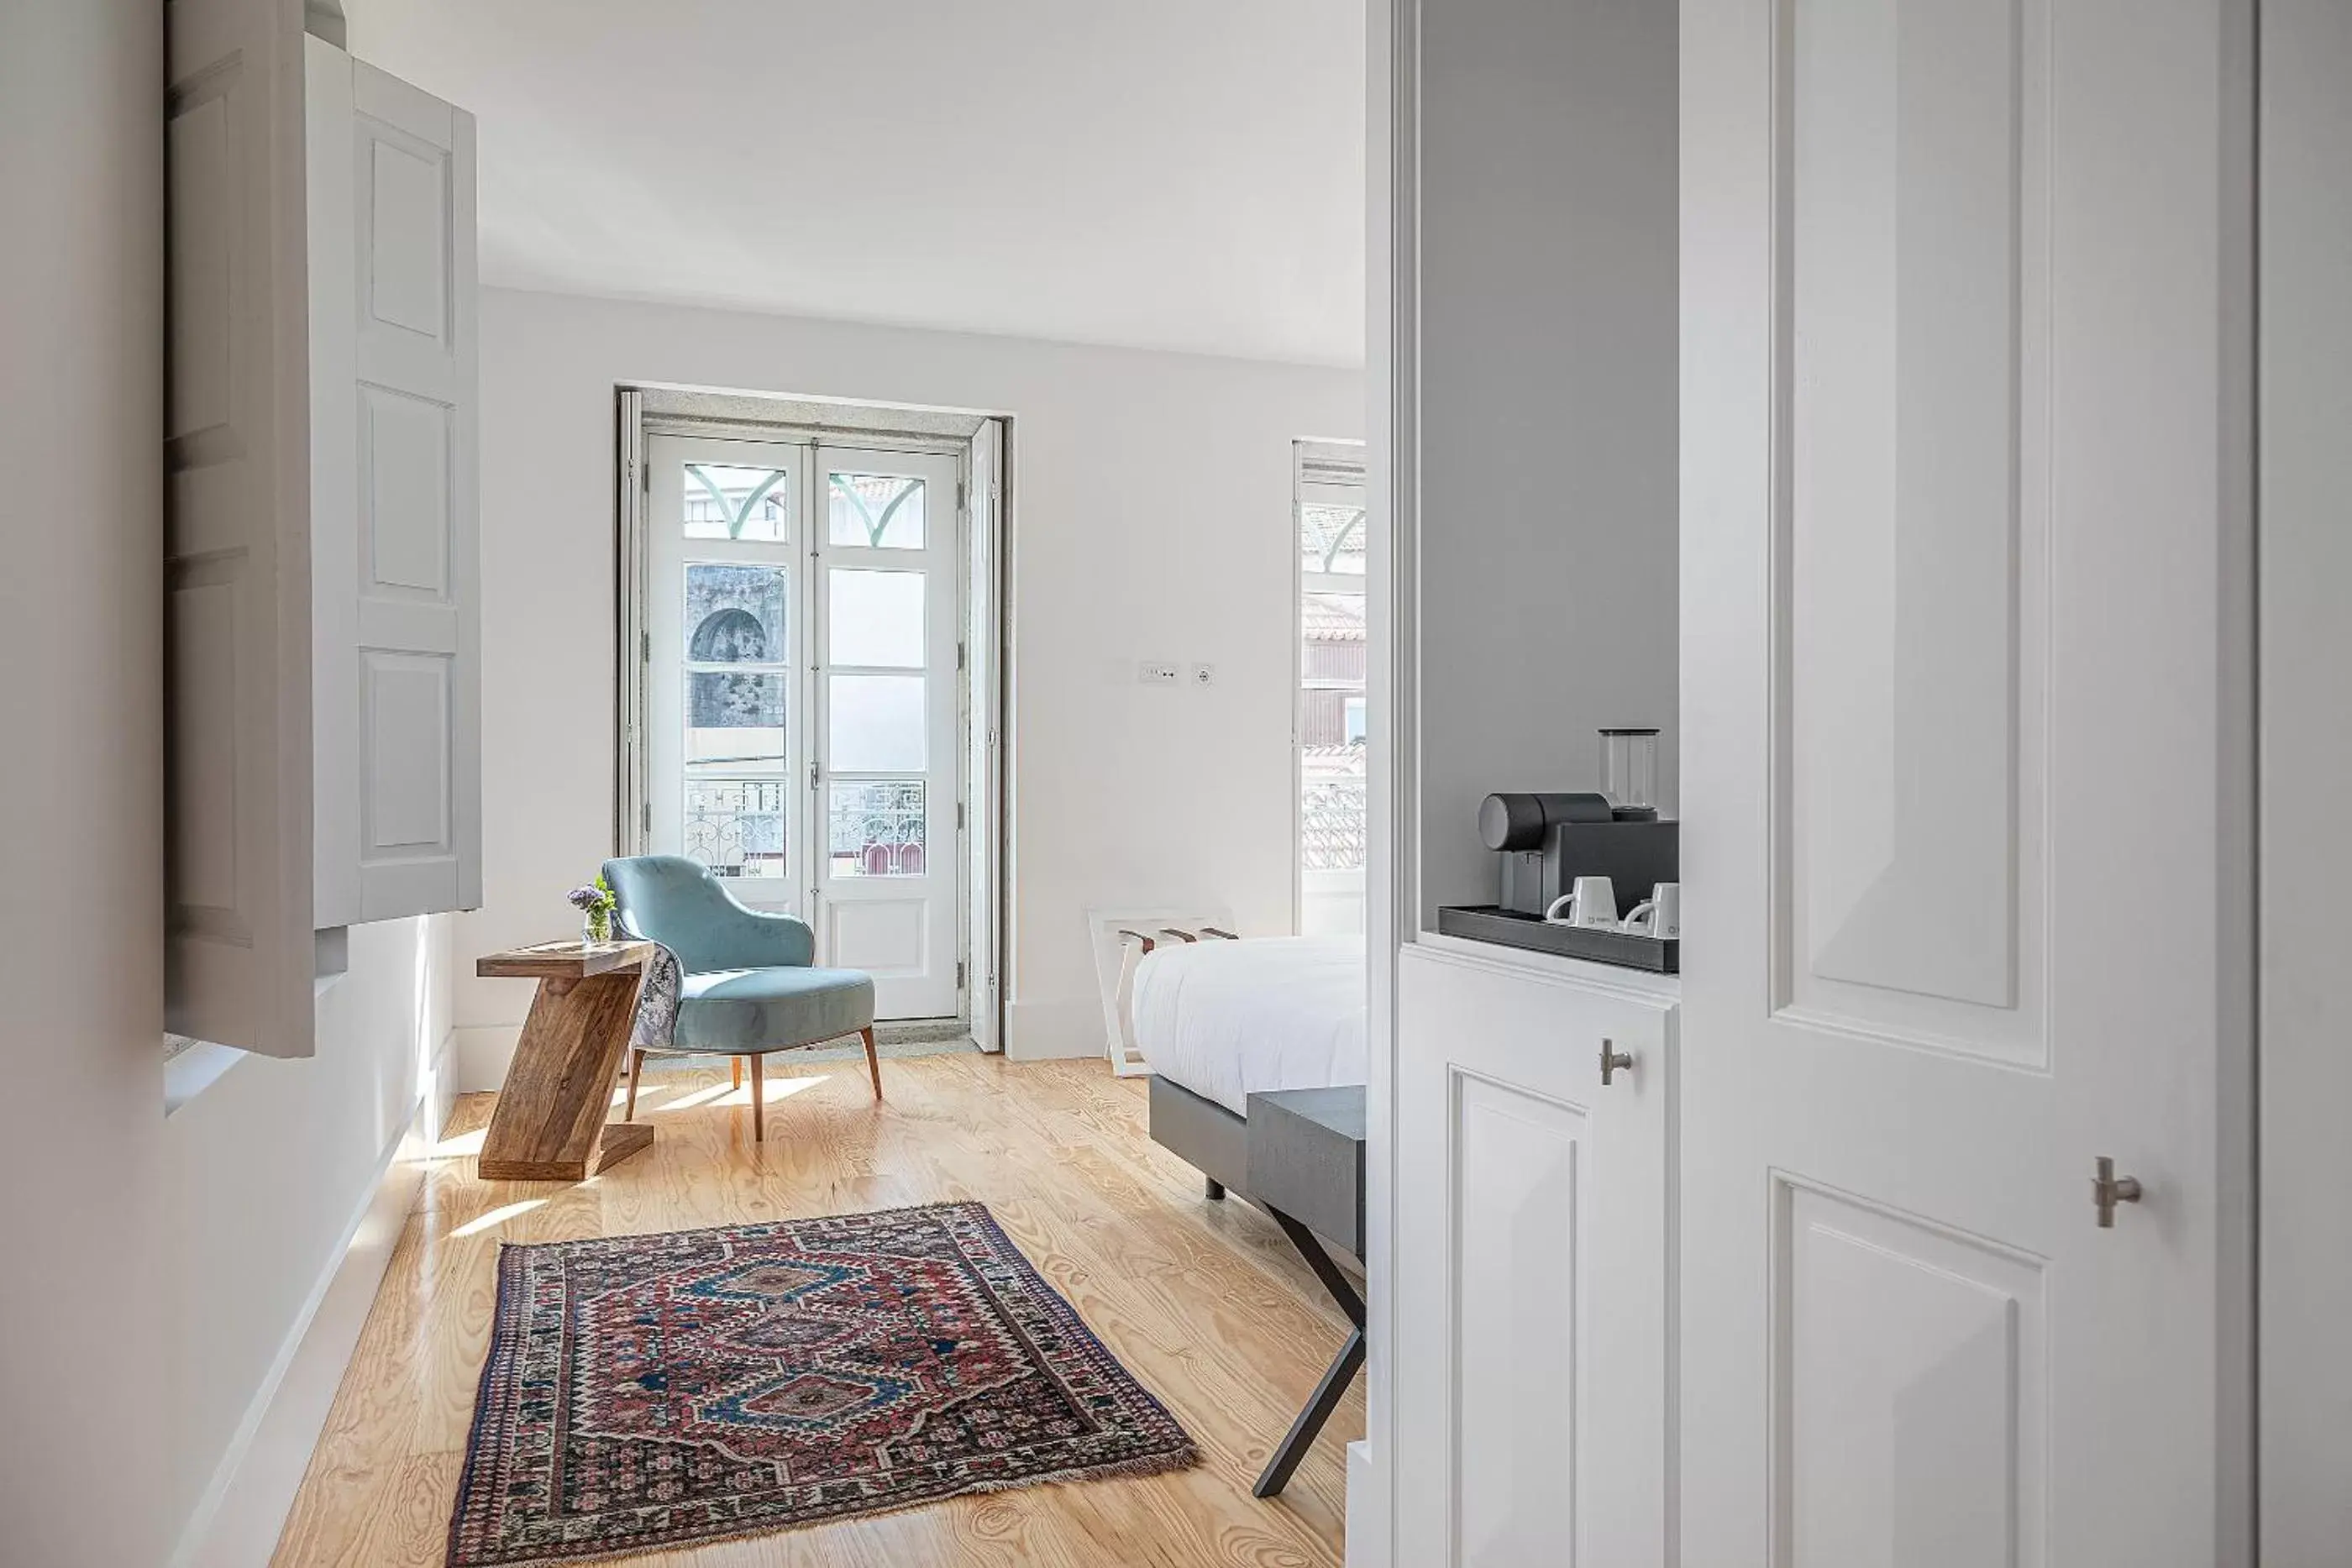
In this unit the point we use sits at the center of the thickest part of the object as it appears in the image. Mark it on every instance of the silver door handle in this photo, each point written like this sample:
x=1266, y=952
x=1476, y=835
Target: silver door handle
x=1612, y=1061
x=2108, y=1189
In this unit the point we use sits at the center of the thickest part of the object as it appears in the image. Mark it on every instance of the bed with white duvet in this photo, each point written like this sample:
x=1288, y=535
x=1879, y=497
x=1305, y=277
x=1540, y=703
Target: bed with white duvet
x=1220, y=1021
x=1229, y=1019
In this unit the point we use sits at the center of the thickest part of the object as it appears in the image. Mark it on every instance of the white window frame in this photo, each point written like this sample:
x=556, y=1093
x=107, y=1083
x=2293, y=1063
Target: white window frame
x=1328, y=472
x=987, y=617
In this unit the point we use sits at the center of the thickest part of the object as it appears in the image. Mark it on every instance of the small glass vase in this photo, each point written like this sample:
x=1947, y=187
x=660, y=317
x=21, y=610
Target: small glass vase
x=595, y=928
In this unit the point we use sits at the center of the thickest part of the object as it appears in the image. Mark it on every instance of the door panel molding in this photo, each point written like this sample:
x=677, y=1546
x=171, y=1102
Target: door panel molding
x=1908, y=1357
x=1911, y=531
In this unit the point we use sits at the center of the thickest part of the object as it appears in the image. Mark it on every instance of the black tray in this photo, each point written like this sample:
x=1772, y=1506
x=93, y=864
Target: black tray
x=1490, y=922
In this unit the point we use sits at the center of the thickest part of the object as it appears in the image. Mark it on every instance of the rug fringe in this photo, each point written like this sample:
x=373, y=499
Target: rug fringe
x=1183, y=1458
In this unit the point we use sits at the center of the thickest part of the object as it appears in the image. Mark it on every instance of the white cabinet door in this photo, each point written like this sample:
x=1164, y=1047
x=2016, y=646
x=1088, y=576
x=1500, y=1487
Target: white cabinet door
x=237, y=584
x=1961, y=515
x=1530, y=1258
x=395, y=497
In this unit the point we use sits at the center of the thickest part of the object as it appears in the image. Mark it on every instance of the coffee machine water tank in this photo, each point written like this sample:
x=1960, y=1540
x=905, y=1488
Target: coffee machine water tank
x=1629, y=773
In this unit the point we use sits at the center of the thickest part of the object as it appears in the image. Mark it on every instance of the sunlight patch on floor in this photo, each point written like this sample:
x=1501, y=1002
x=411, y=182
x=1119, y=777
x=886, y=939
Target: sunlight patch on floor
x=498, y=1217
x=458, y=1147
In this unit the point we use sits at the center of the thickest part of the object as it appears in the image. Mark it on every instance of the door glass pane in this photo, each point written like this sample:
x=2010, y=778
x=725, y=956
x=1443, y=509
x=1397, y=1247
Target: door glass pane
x=735, y=615
x=877, y=617
x=1331, y=726
x=877, y=828
x=875, y=511
x=728, y=502
x=876, y=723
x=1331, y=538
x=736, y=826
x=734, y=723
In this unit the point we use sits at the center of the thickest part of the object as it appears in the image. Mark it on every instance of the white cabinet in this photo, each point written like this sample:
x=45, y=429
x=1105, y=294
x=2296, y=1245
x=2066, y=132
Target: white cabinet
x=321, y=553
x=1531, y=1261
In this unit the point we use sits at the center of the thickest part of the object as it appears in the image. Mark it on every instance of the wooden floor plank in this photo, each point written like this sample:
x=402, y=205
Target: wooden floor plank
x=1203, y=1301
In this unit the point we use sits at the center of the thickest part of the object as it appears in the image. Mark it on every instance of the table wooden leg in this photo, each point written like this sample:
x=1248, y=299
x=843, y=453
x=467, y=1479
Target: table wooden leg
x=550, y=1121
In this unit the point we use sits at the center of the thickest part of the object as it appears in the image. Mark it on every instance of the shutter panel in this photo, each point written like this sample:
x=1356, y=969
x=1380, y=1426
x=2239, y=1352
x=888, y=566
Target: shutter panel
x=395, y=495
x=236, y=553
x=980, y=720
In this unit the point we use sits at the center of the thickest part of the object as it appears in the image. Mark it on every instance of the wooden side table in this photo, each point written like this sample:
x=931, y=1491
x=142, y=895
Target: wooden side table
x=550, y=1124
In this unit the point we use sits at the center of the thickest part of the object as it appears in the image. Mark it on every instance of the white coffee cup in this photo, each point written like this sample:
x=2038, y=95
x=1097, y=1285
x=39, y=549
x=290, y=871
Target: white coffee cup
x=1659, y=915
x=1590, y=901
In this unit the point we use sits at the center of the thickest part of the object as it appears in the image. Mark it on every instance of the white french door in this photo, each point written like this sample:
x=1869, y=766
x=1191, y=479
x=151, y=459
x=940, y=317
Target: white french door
x=726, y=707
x=802, y=607
x=1959, y=525
x=888, y=872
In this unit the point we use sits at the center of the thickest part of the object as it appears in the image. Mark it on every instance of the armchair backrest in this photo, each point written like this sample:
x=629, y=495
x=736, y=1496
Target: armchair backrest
x=676, y=902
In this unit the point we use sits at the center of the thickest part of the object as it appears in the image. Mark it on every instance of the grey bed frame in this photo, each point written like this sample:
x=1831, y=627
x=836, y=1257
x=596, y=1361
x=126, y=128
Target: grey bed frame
x=1215, y=1142
x=1202, y=1133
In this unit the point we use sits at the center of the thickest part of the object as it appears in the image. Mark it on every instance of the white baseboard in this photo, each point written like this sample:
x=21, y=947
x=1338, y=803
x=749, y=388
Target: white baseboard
x=1069, y=1027
x=482, y=1053
x=1368, y=1521
x=237, y=1522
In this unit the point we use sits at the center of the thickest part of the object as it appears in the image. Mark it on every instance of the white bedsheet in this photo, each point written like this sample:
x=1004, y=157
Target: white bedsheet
x=1229, y=1019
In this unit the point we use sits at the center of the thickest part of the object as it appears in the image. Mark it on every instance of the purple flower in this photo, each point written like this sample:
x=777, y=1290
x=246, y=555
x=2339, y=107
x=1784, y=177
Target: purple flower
x=583, y=898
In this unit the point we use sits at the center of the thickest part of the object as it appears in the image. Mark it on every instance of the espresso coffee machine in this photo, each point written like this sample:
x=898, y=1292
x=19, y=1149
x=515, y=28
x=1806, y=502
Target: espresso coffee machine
x=1545, y=842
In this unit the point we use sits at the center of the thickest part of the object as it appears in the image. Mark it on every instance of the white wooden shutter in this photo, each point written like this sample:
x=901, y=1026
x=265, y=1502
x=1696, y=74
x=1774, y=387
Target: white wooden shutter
x=236, y=573
x=981, y=718
x=395, y=495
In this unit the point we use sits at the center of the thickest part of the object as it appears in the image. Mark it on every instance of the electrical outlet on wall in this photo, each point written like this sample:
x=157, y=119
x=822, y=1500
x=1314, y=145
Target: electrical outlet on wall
x=1151, y=672
x=1205, y=674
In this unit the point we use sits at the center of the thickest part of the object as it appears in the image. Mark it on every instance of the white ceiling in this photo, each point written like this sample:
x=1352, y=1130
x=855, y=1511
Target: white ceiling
x=1182, y=174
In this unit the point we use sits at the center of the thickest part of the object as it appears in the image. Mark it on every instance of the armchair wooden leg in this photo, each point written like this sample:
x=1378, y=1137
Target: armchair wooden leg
x=758, y=1111
x=873, y=1063
x=735, y=1069
x=636, y=1065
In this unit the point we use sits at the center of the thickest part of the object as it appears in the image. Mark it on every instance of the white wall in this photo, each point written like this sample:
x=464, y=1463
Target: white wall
x=81, y=1275
x=1151, y=496
x=265, y=1175
x=151, y=1271
x=1548, y=406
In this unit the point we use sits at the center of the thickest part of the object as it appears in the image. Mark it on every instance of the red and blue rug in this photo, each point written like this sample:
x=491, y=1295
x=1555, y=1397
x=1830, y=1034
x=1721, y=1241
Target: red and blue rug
x=644, y=1392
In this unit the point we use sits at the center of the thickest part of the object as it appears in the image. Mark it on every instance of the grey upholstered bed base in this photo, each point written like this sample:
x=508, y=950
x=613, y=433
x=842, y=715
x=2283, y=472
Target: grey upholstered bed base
x=1202, y=1133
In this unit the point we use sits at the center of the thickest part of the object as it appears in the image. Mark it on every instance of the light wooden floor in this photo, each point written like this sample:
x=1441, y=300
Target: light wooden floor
x=1203, y=1301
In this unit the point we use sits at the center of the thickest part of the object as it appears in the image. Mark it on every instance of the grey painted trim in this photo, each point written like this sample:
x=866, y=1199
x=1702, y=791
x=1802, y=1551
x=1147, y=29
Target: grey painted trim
x=1392, y=863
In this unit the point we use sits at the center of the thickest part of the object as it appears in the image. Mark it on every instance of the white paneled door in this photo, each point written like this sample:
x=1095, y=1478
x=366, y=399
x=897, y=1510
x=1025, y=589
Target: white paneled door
x=804, y=700
x=1961, y=516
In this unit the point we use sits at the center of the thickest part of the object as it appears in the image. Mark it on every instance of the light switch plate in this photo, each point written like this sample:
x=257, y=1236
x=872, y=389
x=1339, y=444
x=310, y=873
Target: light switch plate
x=1151, y=672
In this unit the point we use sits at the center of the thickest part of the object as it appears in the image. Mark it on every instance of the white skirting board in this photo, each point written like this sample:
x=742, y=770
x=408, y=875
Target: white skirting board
x=480, y=1054
x=237, y=1522
x=1067, y=1027
x=1368, y=1517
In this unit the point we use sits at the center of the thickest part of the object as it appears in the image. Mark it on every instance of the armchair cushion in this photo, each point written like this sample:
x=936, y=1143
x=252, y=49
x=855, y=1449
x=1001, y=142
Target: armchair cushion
x=676, y=902
x=742, y=1011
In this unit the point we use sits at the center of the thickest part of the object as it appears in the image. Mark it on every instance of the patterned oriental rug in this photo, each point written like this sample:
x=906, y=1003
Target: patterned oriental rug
x=644, y=1392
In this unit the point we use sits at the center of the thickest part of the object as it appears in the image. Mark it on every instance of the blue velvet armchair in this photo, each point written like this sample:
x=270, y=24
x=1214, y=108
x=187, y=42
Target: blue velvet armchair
x=748, y=984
